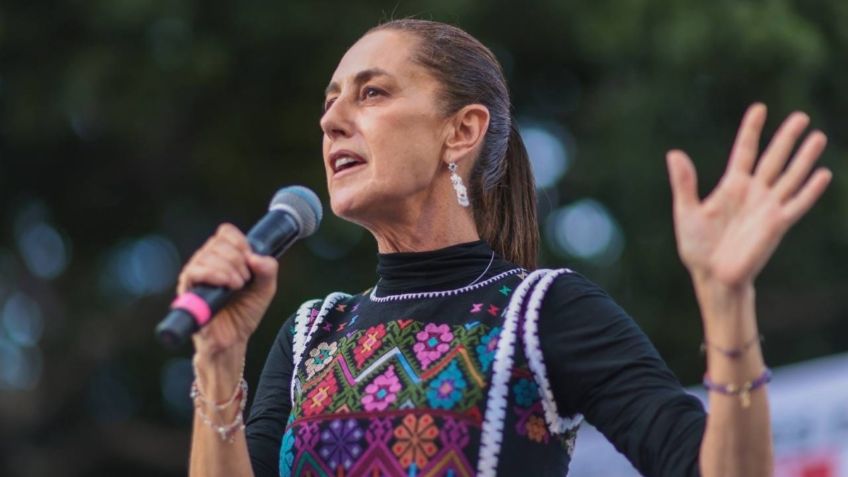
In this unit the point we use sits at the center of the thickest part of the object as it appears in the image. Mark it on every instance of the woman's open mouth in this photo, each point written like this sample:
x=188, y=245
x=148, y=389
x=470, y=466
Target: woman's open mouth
x=342, y=161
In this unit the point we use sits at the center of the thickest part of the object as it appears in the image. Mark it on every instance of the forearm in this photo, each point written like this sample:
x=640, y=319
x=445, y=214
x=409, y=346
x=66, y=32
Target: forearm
x=737, y=440
x=212, y=455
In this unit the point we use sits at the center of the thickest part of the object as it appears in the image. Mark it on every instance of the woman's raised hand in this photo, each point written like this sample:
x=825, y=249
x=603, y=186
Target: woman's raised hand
x=226, y=260
x=729, y=236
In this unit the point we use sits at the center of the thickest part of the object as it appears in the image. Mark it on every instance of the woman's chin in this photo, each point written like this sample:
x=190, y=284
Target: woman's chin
x=345, y=206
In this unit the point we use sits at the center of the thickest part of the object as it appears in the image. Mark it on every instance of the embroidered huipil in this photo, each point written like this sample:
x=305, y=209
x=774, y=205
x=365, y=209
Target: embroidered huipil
x=443, y=371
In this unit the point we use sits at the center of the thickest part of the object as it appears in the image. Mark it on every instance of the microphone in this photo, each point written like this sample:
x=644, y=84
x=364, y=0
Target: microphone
x=294, y=213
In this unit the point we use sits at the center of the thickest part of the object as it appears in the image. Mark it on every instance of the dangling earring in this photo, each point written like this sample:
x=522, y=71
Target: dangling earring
x=458, y=186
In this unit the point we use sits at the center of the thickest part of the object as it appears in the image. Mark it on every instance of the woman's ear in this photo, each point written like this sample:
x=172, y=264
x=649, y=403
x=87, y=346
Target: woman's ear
x=466, y=132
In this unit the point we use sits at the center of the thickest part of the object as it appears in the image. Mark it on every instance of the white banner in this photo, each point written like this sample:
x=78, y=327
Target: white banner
x=809, y=407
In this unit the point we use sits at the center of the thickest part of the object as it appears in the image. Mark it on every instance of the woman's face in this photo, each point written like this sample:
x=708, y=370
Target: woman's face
x=383, y=131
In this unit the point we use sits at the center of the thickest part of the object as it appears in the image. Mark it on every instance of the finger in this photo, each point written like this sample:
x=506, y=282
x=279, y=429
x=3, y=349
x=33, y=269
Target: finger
x=234, y=236
x=264, y=270
x=227, y=251
x=808, y=195
x=799, y=169
x=213, y=262
x=209, y=274
x=684, y=180
x=747, y=143
x=780, y=147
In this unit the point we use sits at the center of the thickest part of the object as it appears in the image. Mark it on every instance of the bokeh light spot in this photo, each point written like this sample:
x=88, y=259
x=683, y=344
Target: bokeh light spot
x=20, y=368
x=145, y=266
x=43, y=250
x=22, y=319
x=586, y=230
x=41, y=246
x=548, y=154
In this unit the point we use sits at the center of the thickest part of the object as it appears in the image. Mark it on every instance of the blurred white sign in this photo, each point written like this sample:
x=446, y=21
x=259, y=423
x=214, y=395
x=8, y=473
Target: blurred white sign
x=809, y=406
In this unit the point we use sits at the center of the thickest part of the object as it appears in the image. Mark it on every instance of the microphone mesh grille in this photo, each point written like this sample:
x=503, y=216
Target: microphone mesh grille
x=304, y=206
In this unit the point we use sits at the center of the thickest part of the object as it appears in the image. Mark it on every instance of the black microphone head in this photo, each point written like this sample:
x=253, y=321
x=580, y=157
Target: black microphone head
x=302, y=204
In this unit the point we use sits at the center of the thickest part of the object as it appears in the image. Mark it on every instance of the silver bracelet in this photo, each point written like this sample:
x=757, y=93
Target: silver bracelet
x=227, y=432
x=197, y=394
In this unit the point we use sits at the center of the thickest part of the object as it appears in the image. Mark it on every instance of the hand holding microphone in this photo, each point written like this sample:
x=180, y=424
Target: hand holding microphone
x=233, y=277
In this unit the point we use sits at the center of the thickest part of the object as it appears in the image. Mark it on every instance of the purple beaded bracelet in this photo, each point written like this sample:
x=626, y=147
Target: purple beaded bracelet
x=743, y=391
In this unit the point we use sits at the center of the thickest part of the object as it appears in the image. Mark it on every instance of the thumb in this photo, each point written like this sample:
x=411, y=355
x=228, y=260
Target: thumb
x=683, y=178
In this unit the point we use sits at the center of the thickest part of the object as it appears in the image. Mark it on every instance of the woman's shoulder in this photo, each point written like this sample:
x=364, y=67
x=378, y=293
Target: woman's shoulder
x=567, y=285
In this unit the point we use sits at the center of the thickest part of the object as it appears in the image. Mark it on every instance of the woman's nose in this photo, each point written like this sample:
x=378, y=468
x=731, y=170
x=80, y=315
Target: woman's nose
x=336, y=120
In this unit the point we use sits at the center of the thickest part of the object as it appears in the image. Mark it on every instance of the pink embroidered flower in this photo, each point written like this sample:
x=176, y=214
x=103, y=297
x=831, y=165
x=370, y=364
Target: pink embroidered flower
x=320, y=396
x=382, y=391
x=368, y=343
x=433, y=342
x=414, y=442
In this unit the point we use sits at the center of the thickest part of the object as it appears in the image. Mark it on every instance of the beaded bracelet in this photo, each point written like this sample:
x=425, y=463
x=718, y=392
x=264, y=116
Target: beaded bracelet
x=196, y=393
x=227, y=432
x=743, y=391
x=732, y=353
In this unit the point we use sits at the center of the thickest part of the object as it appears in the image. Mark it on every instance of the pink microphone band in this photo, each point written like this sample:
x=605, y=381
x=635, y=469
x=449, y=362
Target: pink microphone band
x=195, y=305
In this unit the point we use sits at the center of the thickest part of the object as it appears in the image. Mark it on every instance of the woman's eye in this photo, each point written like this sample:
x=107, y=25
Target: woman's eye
x=328, y=103
x=370, y=92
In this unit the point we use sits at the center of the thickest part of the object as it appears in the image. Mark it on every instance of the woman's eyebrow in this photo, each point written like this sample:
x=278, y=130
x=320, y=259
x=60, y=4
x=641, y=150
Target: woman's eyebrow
x=360, y=78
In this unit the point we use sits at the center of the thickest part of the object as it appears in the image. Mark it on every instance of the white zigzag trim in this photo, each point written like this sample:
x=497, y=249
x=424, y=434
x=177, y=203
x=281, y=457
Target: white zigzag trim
x=301, y=318
x=493, y=422
x=302, y=338
x=300, y=321
x=437, y=294
x=532, y=348
x=328, y=305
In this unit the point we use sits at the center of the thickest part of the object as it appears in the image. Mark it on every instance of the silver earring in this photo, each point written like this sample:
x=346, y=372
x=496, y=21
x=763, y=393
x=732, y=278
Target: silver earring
x=458, y=186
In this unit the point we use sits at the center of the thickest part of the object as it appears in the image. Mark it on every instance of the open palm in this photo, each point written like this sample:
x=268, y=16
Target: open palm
x=730, y=235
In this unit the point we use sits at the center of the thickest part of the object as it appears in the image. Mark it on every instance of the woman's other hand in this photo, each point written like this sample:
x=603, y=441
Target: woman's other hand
x=728, y=237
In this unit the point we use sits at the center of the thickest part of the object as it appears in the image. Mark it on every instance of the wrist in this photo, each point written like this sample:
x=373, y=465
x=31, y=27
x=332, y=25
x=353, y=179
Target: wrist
x=217, y=374
x=723, y=299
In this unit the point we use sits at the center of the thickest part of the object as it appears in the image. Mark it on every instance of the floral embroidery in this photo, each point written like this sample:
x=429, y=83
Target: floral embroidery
x=320, y=396
x=404, y=396
x=414, y=444
x=537, y=430
x=486, y=348
x=447, y=388
x=341, y=443
x=370, y=341
x=382, y=391
x=319, y=357
x=433, y=342
x=526, y=392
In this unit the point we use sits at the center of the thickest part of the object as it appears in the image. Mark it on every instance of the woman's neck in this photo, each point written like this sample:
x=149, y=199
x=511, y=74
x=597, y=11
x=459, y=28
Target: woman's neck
x=421, y=229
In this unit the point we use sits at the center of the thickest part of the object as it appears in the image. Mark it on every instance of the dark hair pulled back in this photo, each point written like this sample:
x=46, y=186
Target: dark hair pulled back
x=501, y=189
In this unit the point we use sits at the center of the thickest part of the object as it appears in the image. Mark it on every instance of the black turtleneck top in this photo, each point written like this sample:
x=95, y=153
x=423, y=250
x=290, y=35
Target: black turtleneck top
x=448, y=367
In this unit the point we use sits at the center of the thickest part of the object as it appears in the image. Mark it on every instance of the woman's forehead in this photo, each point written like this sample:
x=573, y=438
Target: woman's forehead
x=388, y=51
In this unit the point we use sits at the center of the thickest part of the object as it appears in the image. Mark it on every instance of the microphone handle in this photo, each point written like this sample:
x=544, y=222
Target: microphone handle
x=178, y=325
x=272, y=236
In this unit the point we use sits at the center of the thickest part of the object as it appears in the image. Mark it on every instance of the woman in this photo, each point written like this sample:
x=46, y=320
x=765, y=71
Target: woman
x=457, y=361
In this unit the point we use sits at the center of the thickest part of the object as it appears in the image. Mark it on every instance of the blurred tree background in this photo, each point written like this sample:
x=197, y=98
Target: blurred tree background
x=130, y=128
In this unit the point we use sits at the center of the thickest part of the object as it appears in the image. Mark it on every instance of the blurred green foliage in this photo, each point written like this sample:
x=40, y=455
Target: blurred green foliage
x=125, y=118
